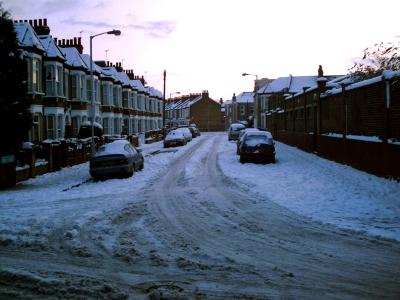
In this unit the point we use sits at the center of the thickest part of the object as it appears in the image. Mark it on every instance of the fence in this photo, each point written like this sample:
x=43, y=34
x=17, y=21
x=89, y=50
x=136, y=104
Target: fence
x=358, y=125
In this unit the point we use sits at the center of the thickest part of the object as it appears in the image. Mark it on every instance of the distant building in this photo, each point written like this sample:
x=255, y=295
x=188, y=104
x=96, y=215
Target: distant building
x=276, y=90
x=199, y=109
x=240, y=109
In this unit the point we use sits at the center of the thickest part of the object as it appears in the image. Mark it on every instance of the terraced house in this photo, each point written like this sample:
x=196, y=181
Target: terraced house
x=60, y=89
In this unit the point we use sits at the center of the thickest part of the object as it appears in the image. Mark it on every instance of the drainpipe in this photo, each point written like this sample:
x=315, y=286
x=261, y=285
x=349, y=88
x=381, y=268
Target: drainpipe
x=387, y=109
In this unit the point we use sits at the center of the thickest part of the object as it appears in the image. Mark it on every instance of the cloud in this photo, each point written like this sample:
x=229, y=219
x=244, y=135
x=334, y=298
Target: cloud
x=157, y=29
x=102, y=24
x=54, y=6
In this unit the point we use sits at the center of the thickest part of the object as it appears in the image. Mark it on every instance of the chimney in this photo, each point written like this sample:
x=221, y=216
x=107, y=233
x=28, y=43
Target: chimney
x=100, y=63
x=40, y=26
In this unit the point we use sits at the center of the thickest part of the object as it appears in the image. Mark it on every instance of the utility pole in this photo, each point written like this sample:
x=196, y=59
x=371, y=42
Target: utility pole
x=163, y=116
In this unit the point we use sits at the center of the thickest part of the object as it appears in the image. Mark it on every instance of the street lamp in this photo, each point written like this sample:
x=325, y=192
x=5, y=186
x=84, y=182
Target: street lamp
x=246, y=74
x=93, y=113
x=170, y=96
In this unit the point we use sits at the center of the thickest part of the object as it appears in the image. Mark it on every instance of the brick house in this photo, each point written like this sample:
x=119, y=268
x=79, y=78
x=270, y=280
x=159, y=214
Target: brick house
x=60, y=89
x=195, y=108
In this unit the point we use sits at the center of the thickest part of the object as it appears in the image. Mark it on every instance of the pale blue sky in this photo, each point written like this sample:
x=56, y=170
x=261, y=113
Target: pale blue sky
x=208, y=44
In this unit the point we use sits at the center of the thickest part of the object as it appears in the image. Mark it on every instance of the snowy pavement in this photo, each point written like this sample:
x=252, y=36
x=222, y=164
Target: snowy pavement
x=321, y=189
x=198, y=224
x=302, y=182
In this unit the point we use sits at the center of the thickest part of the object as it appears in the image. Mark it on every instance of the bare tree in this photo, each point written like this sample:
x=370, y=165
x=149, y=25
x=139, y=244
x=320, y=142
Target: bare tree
x=376, y=59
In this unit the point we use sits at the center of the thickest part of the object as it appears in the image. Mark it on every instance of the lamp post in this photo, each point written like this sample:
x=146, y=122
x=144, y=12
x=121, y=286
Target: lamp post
x=170, y=98
x=93, y=110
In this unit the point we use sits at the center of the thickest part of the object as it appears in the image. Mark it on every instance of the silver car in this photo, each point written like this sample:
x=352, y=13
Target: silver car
x=117, y=159
x=234, y=130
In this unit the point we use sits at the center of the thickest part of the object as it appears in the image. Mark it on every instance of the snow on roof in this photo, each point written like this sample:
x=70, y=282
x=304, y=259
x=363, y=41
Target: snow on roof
x=112, y=72
x=74, y=58
x=124, y=78
x=191, y=101
x=86, y=59
x=52, y=50
x=245, y=97
x=153, y=92
x=27, y=36
x=138, y=85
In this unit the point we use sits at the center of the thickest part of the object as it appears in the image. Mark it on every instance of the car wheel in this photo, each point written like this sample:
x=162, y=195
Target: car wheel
x=141, y=166
x=242, y=159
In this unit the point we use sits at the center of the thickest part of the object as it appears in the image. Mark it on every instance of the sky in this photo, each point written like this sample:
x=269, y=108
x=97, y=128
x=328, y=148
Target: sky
x=208, y=44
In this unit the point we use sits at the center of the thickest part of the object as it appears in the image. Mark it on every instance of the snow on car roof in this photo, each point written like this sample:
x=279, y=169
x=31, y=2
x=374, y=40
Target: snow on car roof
x=174, y=134
x=116, y=147
x=266, y=133
x=237, y=125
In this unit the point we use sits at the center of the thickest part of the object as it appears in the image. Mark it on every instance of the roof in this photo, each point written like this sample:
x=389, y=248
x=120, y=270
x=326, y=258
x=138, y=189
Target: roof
x=138, y=85
x=27, y=36
x=112, y=72
x=245, y=97
x=86, y=59
x=74, y=58
x=289, y=84
x=153, y=92
x=52, y=50
x=124, y=78
x=295, y=84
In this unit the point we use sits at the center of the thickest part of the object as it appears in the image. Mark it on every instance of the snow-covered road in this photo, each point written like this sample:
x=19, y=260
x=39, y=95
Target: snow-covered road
x=195, y=223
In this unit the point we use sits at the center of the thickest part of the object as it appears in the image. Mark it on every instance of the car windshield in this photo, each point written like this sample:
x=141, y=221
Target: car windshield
x=254, y=140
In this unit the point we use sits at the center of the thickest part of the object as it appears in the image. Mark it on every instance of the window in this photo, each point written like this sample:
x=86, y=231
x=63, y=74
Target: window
x=60, y=126
x=115, y=95
x=74, y=87
x=59, y=81
x=50, y=80
x=51, y=126
x=36, y=133
x=106, y=128
x=66, y=86
x=36, y=75
x=125, y=98
x=75, y=125
x=89, y=89
x=82, y=86
x=104, y=94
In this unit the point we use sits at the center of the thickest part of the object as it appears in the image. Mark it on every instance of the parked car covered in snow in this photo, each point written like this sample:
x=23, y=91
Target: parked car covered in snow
x=117, y=159
x=195, y=131
x=241, y=135
x=85, y=131
x=234, y=130
x=186, y=133
x=257, y=146
x=174, y=138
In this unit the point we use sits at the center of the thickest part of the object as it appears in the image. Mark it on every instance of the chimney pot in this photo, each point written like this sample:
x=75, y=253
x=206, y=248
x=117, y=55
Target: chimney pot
x=45, y=22
x=35, y=23
x=75, y=41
